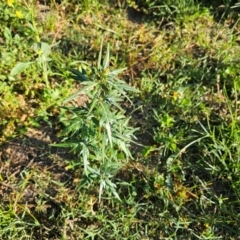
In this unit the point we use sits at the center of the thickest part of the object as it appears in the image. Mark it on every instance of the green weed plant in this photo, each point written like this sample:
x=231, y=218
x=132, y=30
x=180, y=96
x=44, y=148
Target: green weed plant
x=99, y=132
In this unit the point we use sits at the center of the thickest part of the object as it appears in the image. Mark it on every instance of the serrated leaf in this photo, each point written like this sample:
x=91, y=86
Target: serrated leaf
x=113, y=187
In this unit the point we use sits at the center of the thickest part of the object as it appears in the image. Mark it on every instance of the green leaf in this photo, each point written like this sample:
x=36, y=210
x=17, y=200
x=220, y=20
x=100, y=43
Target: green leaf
x=63, y=145
x=101, y=187
x=94, y=103
x=117, y=71
x=107, y=57
x=77, y=75
x=90, y=85
x=109, y=132
x=106, y=119
x=20, y=67
x=85, y=155
x=100, y=55
x=113, y=187
x=147, y=150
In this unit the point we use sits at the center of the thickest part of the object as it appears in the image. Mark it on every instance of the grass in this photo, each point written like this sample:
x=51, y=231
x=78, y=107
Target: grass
x=119, y=122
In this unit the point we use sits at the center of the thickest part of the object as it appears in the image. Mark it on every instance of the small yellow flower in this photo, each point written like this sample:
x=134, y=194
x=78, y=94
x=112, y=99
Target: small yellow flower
x=39, y=52
x=18, y=14
x=10, y=2
x=175, y=95
x=106, y=71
